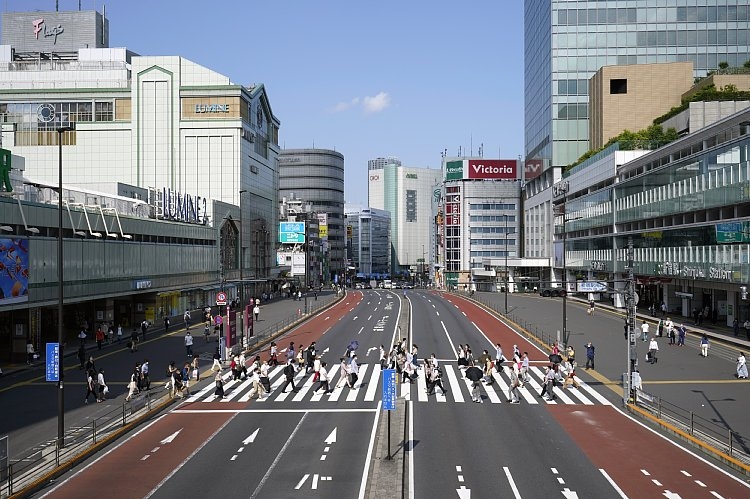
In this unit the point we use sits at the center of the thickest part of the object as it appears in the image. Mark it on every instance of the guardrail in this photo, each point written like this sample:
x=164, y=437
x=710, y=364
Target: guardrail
x=39, y=464
x=715, y=435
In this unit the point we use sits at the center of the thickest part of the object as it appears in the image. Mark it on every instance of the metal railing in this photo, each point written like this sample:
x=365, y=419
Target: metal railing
x=715, y=435
x=38, y=464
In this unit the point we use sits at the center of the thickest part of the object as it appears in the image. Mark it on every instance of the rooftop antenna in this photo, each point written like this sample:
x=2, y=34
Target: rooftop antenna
x=471, y=144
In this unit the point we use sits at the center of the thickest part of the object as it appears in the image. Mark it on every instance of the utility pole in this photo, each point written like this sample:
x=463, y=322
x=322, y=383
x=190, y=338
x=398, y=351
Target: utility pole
x=631, y=300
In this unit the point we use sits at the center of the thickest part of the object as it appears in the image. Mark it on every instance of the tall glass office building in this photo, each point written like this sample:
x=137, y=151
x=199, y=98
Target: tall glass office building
x=566, y=42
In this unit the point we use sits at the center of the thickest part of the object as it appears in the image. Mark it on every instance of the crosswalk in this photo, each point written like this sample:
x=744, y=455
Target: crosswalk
x=368, y=389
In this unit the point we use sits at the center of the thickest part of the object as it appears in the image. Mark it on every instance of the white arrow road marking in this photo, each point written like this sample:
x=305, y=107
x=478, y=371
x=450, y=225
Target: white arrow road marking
x=370, y=350
x=282, y=350
x=170, y=437
x=355, y=317
x=463, y=492
x=569, y=494
x=251, y=438
x=325, y=351
x=331, y=439
x=671, y=495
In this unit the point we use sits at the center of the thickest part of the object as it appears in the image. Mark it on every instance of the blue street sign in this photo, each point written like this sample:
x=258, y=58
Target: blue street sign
x=53, y=362
x=389, y=389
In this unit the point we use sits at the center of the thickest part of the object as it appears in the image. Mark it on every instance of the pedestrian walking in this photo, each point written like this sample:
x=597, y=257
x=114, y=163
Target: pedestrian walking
x=353, y=371
x=216, y=366
x=82, y=337
x=256, y=311
x=145, y=379
x=323, y=379
x=548, y=391
x=660, y=328
x=704, y=345
x=30, y=352
x=195, y=373
x=681, y=332
x=186, y=318
x=90, y=385
x=185, y=373
x=274, y=355
x=310, y=355
x=653, y=348
x=592, y=304
x=206, y=332
x=289, y=372
x=514, y=395
x=90, y=365
x=644, y=331
x=590, y=352
x=344, y=369
x=82, y=356
x=524, y=369
x=663, y=309
x=741, y=366
x=219, y=384
x=736, y=327
x=189, y=344
x=103, y=388
x=144, y=327
x=133, y=383
x=434, y=378
x=133, y=344
x=499, y=358
x=119, y=333
x=99, y=336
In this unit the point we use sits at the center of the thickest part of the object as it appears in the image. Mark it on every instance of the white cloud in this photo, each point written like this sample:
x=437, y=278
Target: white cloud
x=369, y=104
x=344, y=105
x=377, y=103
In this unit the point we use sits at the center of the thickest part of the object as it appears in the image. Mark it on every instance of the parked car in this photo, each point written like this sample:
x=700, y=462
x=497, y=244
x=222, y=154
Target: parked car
x=554, y=292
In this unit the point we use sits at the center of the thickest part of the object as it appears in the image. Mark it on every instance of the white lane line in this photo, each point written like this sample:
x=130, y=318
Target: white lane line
x=304, y=479
x=405, y=390
x=613, y=484
x=700, y=483
x=716, y=494
x=645, y=472
x=353, y=392
x=363, y=484
x=453, y=347
x=372, y=386
x=685, y=473
x=512, y=483
x=411, y=450
x=453, y=382
x=278, y=458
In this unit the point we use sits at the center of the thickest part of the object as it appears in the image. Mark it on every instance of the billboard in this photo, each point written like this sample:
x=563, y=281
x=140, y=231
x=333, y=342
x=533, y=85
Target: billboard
x=291, y=232
x=733, y=232
x=14, y=270
x=493, y=169
x=482, y=169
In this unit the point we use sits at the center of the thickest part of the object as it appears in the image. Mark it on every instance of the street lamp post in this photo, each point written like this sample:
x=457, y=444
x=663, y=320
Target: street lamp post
x=61, y=389
x=506, y=263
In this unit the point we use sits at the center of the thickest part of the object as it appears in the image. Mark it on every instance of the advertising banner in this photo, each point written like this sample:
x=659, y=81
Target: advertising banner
x=493, y=169
x=14, y=270
x=454, y=170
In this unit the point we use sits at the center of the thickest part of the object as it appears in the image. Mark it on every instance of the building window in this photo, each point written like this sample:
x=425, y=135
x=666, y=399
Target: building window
x=618, y=86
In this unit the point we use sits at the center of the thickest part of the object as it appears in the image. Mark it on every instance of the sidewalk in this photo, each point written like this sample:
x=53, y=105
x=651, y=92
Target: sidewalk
x=275, y=314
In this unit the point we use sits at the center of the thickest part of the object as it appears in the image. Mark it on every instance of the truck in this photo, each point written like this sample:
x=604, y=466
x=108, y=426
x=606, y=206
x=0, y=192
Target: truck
x=387, y=284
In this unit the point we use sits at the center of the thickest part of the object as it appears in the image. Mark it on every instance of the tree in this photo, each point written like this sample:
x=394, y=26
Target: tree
x=723, y=65
x=747, y=64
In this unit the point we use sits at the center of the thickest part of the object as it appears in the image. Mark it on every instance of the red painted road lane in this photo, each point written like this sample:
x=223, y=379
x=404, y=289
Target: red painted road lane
x=125, y=473
x=496, y=330
x=318, y=325
x=623, y=448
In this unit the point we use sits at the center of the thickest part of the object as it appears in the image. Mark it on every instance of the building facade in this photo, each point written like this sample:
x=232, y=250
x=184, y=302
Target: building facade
x=316, y=176
x=565, y=43
x=481, y=220
x=152, y=122
x=368, y=241
x=406, y=193
x=686, y=208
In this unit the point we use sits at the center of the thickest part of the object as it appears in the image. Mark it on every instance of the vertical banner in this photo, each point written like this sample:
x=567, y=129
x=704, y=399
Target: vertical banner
x=53, y=362
x=389, y=389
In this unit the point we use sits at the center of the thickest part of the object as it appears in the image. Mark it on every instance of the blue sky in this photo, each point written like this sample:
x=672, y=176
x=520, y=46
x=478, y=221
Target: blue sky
x=406, y=78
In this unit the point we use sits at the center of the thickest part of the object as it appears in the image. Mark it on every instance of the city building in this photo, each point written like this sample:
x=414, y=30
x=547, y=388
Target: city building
x=566, y=43
x=630, y=97
x=685, y=207
x=161, y=123
x=171, y=173
x=368, y=241
x=481, y=220
x=316, y=176
x=406, y=193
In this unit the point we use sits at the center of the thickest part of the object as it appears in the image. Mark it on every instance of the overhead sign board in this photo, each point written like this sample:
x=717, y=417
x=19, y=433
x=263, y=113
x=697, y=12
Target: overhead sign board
x=482, y=169
x=591, y=286
x=733, y=232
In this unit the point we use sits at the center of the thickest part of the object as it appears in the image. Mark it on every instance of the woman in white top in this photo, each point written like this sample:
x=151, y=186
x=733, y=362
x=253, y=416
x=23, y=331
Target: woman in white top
x=741, y=367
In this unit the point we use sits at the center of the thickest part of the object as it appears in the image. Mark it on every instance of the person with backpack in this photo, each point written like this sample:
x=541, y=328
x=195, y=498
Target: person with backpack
x=289, y=373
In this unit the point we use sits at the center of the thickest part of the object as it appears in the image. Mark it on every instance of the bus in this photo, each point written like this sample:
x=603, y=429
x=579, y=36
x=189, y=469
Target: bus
x=387, y=284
